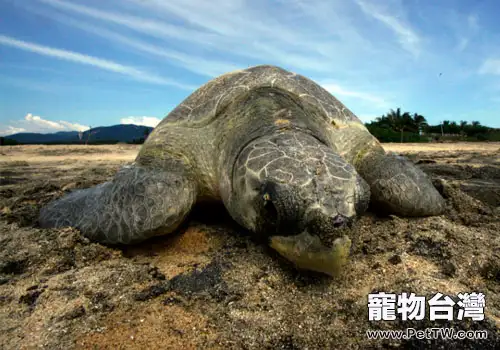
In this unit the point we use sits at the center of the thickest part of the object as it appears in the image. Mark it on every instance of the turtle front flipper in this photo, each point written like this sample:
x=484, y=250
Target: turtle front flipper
x=398, y=186
x=138, y=203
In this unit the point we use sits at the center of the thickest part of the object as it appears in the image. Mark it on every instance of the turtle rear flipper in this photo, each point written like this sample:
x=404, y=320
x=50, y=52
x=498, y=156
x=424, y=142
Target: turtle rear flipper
x=138, y=203
x=399, y=187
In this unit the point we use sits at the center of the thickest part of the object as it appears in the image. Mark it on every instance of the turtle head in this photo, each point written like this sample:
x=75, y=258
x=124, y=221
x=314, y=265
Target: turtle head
x=294, y=191
x=288, y=182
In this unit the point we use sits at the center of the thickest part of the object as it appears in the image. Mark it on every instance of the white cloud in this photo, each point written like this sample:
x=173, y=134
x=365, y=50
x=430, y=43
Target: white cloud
x=465, y=28
x=34, y=123
x=470, y=31
x=490, y=66
x=226, y=18
x=366, y=118
x=407, y=37
x=154, y=28
x=360, y=48
x=337, y=90
x=273, y=33
x=211, y=38
x=146, y=121
x=89, y=60
x=194, y=64
x=463, y=42
x=472, y=21
x=61, y=125
x=74, y=126
x=45, y=124
x=11, y=130
x=238, y=29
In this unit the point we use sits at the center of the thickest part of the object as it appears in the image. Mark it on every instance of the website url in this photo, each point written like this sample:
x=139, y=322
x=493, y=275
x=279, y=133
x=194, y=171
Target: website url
x=428, y=333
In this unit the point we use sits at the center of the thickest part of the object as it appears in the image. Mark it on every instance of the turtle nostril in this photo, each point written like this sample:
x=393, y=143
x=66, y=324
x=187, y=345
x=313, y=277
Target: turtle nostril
x=339, y=220
x=269, y=207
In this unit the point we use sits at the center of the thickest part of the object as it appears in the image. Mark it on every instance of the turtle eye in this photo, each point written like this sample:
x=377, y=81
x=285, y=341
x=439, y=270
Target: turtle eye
x=267, y=214
x=339, y=221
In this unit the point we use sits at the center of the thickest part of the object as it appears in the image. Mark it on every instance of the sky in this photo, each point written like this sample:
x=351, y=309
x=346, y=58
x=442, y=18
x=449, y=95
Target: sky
x=71, y=65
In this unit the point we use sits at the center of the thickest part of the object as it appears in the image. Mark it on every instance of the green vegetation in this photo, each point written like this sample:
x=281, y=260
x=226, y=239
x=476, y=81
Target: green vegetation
x=397, y=126
x=4, y=141
x=140, y=140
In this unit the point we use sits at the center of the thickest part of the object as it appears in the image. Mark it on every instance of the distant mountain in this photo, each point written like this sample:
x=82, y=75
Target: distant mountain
x=31, y=137
x=103, y=134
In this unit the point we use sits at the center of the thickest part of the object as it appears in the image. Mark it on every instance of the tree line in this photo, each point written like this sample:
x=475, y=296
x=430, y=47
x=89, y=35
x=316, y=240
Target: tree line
x=394, y=126
x=401, y=126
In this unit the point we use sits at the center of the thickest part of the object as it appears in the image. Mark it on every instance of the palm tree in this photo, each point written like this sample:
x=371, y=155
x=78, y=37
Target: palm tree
x=399, y=121
x=454, y=128
x=382, y=122
x=420, y=123
x=462, y=128
x=445, y=127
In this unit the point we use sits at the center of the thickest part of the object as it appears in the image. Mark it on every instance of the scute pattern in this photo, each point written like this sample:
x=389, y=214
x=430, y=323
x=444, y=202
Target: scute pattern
x=127, y=209
x=203, y=105
x=315, y=169
x=258, y=129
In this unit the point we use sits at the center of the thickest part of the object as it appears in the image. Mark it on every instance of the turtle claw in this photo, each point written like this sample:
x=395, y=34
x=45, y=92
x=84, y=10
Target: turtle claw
x=307, y=252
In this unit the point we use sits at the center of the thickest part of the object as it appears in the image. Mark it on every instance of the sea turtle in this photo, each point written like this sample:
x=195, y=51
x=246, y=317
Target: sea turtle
x=286, y=158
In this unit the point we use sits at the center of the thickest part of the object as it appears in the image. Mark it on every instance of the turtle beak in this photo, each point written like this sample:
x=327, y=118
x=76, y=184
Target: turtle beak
x=307, y=252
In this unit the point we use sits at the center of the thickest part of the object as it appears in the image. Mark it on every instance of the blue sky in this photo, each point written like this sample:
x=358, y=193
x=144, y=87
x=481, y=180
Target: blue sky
x=68, y=65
